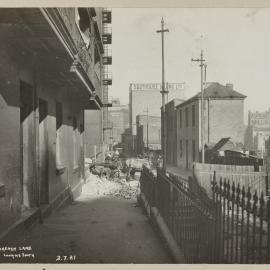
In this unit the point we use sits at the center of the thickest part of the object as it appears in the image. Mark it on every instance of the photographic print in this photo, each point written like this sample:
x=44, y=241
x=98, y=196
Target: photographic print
x=134, y=135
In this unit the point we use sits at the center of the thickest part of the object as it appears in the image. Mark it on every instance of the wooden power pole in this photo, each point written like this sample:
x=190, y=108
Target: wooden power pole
x=163, y=93
x=203, y=79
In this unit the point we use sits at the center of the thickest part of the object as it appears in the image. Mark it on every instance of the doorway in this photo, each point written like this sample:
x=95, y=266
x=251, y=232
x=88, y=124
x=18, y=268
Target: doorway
x=43, y=152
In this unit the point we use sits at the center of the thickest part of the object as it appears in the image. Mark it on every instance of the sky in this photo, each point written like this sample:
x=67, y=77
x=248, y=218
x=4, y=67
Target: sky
x=235, y=41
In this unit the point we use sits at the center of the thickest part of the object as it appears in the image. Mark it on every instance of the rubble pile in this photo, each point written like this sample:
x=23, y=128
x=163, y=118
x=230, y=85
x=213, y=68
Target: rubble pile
x=116, y=187
x=127, y=191
x=100, y=186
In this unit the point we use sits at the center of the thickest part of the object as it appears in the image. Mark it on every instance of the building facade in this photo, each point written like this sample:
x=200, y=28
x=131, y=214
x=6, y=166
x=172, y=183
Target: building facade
x=118, y=117
x=148, y=133
x=171, y=131
x=146, y=96
x=258, y=132
x=129, y=143
x=47, y=81
x=223, y=117
x=97, y=127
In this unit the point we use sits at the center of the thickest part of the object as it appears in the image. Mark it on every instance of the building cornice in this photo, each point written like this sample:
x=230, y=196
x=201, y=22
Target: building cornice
x=57, y=24
x=55, y=20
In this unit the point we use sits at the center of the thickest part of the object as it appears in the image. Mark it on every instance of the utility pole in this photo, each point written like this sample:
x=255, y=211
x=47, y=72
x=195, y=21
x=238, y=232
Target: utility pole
x=163, y=92
x=203, y=79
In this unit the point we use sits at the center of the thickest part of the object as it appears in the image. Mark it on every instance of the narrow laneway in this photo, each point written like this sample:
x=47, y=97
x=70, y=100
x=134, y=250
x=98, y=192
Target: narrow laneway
x=101, y=226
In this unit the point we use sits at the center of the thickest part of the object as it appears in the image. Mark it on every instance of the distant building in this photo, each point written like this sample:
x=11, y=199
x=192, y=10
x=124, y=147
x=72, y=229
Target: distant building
x=129, y=143
x=143, y=96
x=148, y=126
x=258, y=132
x=223, y=117
x=118, y=117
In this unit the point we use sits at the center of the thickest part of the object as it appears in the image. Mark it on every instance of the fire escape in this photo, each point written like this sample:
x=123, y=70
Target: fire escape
x=107, y=74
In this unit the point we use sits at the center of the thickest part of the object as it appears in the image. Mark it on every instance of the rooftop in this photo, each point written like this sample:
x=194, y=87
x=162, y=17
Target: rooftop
x=216, y=90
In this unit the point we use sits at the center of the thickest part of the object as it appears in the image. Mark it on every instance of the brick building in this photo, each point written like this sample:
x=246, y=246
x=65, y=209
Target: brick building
x=48, y=79
x=148, y=126
x=97, y=126
x=223, y=117
x=258, y=132
x=118, y=116
x=147, y=95
x=129, y=142
x=171, y=131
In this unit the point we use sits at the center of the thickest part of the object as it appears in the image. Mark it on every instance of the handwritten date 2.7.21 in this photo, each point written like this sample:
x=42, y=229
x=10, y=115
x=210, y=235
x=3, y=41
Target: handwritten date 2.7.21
x=65, y=258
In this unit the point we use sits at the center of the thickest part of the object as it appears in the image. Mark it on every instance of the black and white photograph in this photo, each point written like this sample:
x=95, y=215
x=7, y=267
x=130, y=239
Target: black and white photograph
x=134, y=135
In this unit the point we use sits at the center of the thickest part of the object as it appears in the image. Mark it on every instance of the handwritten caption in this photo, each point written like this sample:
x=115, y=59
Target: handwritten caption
x=19, y=252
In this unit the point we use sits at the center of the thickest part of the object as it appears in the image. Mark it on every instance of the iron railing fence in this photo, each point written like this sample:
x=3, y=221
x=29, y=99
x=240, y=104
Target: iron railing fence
x=231, y=227
x=189, y=219
x=242, y=222
x=148, y=185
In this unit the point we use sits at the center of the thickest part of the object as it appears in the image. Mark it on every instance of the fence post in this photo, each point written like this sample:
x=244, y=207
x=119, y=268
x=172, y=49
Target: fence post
x=214, y=234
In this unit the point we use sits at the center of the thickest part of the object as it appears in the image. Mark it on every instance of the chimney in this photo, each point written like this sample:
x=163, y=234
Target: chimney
x=229, y=86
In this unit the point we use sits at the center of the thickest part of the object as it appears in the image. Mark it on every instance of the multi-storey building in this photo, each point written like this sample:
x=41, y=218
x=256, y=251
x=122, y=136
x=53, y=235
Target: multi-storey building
x=223, y=117
x=129, y=143
x=171, y=131
x=49, y=76
x=118, y=117
x=258, y=132
x=97, y=126
x=146, y=96
x=148, y=133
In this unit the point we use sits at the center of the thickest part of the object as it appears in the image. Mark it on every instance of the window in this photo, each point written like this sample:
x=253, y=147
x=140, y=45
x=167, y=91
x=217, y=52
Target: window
x=180, y=116
x=193, y=150
x=181, y=148
x=59, y=122
x=193, y=115
x=186, y=113
x=96, y=55
x=84, y=25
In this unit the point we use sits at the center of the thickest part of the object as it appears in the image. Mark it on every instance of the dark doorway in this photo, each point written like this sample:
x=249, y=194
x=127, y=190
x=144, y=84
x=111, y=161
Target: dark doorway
x=27, y=145
x=43, y=152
